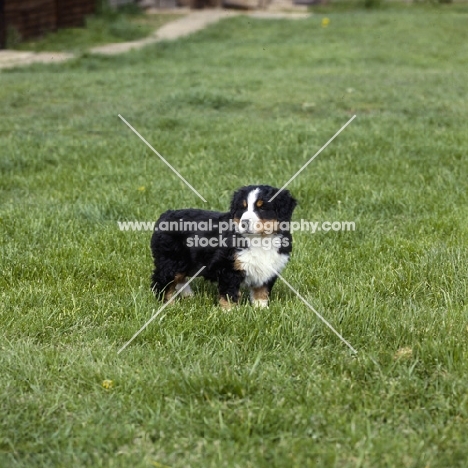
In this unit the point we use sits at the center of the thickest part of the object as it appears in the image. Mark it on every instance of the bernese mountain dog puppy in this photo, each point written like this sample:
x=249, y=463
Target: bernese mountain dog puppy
x=243, y=247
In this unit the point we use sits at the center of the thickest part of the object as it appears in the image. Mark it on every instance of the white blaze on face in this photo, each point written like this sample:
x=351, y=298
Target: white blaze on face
x=248, y=222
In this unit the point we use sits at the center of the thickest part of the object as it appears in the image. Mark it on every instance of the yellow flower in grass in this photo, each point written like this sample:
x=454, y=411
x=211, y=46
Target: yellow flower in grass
x=325, y=22
x=403, y=353
x=142, y=188
x=107, y=384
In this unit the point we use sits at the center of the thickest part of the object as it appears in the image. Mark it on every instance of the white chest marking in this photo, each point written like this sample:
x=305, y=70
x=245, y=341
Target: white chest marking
x=260, y=264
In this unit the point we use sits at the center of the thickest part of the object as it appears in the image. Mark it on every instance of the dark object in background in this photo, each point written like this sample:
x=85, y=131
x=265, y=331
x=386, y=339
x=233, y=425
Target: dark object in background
x=72, y=13
x=200, y=4
x=2, y=26
x=308, y=2
x=34, y=18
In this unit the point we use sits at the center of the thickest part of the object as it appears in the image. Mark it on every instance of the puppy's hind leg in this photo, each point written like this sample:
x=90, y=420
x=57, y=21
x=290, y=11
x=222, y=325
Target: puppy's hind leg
x=159, y=282
x=167, y=283
x=186, y=290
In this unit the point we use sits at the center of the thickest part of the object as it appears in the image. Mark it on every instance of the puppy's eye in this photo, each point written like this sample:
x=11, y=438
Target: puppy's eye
x=244, y=204
x=259, y=203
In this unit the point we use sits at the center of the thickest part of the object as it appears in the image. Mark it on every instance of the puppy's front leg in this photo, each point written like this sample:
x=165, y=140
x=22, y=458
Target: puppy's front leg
x=259, y=296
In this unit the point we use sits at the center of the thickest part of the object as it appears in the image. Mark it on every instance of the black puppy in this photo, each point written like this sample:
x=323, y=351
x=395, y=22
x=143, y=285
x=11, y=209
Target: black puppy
x=245, y=246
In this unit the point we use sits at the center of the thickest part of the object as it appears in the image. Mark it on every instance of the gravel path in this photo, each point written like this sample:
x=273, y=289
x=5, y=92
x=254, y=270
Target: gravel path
x=14, y=58
x=184, y=26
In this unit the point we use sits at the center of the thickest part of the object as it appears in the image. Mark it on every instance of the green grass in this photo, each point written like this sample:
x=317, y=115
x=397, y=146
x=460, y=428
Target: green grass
x=99, y=29
x=243, y=102
x=424, y=6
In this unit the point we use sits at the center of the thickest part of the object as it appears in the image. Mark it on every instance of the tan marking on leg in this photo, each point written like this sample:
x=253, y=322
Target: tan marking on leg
x=259, y=296
x=169, y=292
x=260, y=293
x=225, y=304
x=171, y=288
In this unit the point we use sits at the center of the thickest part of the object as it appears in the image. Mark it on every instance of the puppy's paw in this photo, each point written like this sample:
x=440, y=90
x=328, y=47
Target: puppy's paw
x=263, y=303
x=259, y=297
x=185, y=290
x=226, y=304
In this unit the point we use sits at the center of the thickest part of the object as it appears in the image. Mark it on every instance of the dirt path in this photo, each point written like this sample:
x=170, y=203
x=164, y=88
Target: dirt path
x=184, y=26
x=14, y=58
x=192, y=22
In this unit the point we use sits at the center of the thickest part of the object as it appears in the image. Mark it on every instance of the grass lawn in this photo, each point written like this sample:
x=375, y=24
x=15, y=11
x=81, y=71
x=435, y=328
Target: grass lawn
x=245, y=101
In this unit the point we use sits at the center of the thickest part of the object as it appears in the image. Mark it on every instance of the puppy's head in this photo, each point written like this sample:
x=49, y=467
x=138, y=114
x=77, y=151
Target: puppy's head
x=254, y=214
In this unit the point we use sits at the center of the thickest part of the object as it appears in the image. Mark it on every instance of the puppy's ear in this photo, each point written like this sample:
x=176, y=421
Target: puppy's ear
x=235, y=202
x=284, y=205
